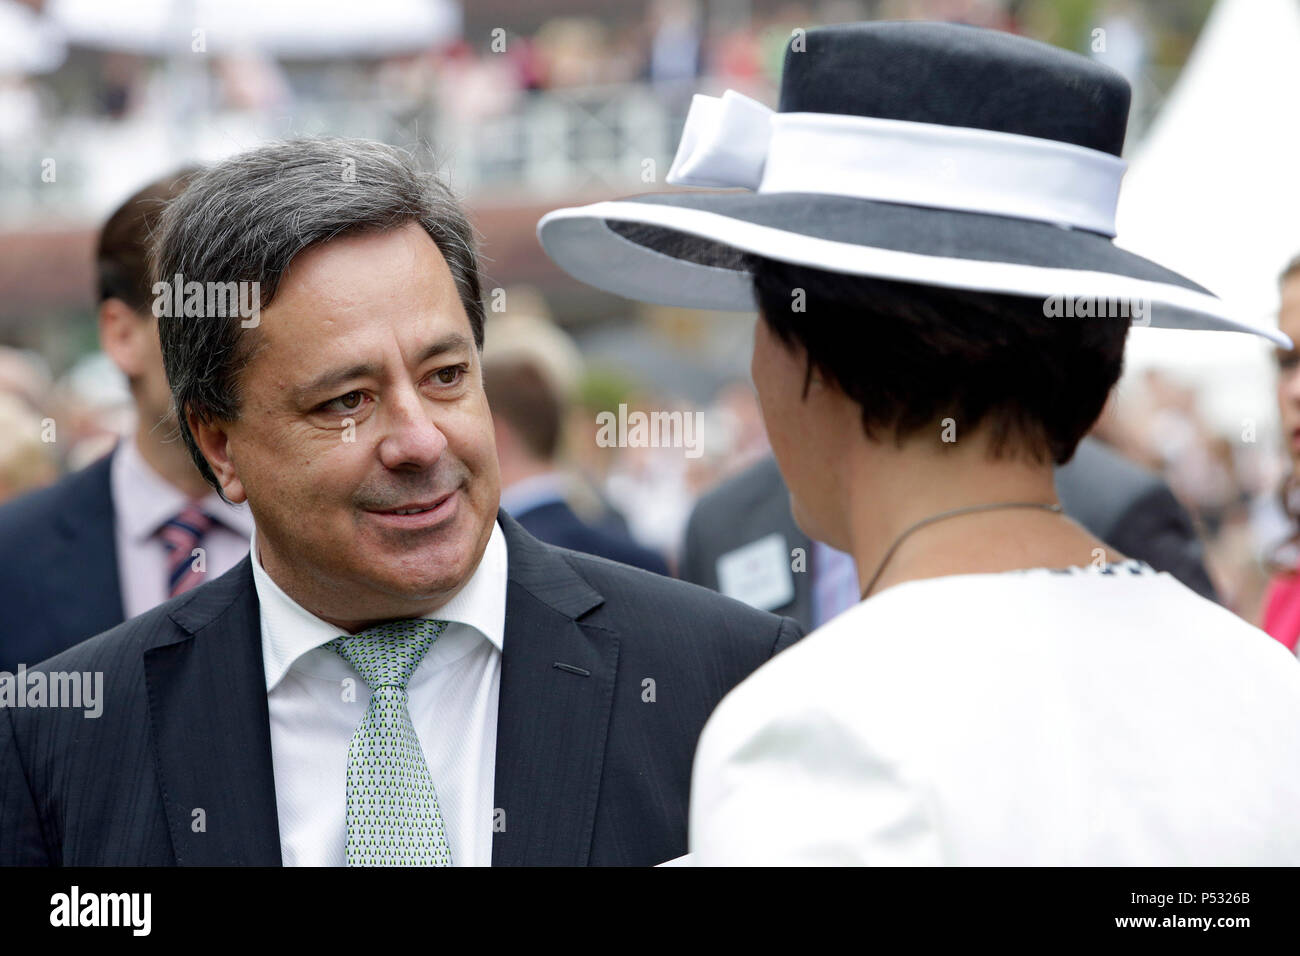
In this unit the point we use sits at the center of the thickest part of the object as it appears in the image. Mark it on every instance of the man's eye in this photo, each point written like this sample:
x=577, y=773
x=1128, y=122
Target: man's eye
x=1288, y=360
x=345, y=403
x=450, y=375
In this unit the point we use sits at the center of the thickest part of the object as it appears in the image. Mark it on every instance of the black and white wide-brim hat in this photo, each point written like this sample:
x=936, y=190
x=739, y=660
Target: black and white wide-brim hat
x=932, y=153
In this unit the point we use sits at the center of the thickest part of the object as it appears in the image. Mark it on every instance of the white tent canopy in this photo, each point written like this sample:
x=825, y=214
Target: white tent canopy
x=28, y=43
x=1213, y=192
x=283, y=28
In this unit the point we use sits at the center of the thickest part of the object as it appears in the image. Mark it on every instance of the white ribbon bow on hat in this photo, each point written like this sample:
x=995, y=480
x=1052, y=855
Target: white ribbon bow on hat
x=733, y=141
x=724, y=143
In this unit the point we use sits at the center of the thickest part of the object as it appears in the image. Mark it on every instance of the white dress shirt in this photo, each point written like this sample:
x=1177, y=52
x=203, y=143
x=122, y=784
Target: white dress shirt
x=452, y=697
x=1027, y=718
x=143, y=501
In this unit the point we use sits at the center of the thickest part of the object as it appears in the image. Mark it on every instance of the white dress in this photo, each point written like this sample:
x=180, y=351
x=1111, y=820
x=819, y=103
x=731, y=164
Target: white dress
x=1030, y=717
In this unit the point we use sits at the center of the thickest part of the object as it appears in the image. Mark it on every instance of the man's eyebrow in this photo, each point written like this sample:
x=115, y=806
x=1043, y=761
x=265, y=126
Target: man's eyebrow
x=334, y=378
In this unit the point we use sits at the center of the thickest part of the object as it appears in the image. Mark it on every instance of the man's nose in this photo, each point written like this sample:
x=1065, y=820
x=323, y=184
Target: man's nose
x=411, y=438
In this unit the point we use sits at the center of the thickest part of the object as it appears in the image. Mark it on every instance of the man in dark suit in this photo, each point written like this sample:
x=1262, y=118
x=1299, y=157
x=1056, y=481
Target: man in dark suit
x=1117, y=500
x=117, y=537
x=60, y=582
x=591, y=767
x=391, y=631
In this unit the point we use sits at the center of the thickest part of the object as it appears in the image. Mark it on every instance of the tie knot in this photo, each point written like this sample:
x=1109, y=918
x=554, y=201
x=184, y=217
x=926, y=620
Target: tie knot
x=389, y=653
x=186, y=528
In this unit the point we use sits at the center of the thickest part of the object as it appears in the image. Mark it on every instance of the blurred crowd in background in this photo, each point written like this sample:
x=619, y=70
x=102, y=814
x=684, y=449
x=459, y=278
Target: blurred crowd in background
x=528, y=111
x=667, y=44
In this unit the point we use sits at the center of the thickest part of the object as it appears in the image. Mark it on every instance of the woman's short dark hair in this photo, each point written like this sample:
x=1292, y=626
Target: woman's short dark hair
x=912, y=355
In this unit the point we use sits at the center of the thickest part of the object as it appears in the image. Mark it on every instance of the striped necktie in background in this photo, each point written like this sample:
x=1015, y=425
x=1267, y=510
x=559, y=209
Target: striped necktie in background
x=180, y=536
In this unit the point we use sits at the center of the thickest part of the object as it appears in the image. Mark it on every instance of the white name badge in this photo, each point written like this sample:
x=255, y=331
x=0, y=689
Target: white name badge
x=758, y=573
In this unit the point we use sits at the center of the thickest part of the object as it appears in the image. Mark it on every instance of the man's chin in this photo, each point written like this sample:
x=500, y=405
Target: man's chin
x=424, y=573
x=420, y=565
x=408, y=596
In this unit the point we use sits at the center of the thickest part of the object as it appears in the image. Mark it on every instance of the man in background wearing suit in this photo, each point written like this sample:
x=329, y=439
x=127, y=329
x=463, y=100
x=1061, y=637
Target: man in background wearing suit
x=391, y=630
x=138, y=526
x=741, y=534
x=528, y=399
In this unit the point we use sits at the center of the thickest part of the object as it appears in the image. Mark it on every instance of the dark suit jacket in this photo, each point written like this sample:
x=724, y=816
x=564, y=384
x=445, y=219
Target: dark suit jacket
x=58, y=567
x=587, y=772
x=555, y=523
x=742, y=509
x=1120, y=502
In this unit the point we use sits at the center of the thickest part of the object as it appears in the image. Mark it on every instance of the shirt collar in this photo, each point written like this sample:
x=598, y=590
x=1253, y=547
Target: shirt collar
x=143, y=500
x=289, y=630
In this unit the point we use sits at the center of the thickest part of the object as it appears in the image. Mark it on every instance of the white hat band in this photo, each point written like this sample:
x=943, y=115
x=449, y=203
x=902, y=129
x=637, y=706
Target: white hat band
x=735, y=141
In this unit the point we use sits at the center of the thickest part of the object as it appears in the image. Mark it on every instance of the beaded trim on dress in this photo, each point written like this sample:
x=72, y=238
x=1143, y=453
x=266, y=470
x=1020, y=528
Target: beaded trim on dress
x=1129, y=566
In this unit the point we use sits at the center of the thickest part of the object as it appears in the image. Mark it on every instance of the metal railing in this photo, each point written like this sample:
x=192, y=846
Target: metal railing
x=75, y=168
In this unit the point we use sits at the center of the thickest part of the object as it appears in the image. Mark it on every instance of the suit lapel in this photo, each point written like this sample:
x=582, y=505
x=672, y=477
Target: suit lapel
x=557, y=688
x=208, y=710
x=87, y=594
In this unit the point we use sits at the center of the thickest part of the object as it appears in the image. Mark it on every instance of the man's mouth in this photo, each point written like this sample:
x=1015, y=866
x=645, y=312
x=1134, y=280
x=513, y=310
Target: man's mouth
x=409, y=514
x=411, y=509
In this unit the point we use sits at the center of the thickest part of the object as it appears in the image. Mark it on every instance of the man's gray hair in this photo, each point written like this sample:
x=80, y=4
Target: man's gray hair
x=246, y=218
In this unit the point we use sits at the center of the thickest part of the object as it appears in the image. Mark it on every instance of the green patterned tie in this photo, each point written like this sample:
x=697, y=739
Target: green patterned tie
x=393, y=817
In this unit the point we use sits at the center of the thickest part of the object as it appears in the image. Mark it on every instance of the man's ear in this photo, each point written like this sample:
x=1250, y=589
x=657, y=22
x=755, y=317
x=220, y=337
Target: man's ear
x=214, y=442
x=125, y=336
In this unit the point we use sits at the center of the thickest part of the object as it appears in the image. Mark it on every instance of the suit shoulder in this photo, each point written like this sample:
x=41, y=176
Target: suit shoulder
x=35, y=512
x=622, y=579
x=104, y=649
x=557, y=522
x=659, y=602
x=125, y=641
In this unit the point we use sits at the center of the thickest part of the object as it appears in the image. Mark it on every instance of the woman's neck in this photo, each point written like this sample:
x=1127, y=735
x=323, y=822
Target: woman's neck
x=894, y=489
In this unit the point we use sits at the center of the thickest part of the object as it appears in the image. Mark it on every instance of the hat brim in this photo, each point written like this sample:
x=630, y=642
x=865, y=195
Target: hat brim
x=686, y=249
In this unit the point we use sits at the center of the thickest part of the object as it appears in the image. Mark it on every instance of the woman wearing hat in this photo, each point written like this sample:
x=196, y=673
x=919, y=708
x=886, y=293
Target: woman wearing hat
x=926, y=233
